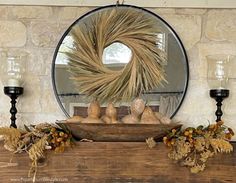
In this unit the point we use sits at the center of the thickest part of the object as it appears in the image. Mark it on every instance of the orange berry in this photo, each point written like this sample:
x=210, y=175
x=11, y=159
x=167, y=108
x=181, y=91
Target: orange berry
x=59, y=139
x=173, y=131
x=186, y=133
x=212, y=126
x=53, y=130
x=219, y=123
x=53, y=141
x=61, y=134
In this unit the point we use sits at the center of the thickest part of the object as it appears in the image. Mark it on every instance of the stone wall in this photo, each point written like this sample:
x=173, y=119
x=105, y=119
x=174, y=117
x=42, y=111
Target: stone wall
x=37, y=30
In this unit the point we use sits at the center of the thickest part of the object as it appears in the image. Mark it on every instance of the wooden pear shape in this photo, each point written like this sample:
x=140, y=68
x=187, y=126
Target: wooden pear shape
x=163, y=119
x=74, y=119
x=136, y=109
x=110, y=114
x=94, y=113
x=149, y=117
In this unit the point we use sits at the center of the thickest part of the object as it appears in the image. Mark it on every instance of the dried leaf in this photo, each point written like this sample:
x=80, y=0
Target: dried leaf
x=11, y=137
x=151, y=142
x=221, y=145
x=37, y=149
x=27, y=128
x=197, y=168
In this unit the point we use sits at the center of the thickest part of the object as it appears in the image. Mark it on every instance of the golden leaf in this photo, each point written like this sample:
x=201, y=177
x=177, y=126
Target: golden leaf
x=11, y=137
x=221, y=145
x=151, y=142
x=197, y=168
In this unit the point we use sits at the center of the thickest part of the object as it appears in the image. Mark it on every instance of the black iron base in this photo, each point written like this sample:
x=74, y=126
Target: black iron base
x=13, y=93
x=219, y=95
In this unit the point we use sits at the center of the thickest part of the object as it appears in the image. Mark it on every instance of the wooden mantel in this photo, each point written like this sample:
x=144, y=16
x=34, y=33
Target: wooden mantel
x=119, y=162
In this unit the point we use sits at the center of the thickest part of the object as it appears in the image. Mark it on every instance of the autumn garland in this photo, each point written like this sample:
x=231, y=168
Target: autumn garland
x=35, y=140
x=192, y=147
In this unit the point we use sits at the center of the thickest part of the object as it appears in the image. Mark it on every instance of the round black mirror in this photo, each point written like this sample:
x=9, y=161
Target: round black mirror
x=166, y=99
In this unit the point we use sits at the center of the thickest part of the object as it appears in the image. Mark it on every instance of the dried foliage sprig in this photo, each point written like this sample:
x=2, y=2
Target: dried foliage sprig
x=131, y=27
x=192, y=147
x=36, y=152
x=35, y=141
x=11, y=138
x=151, y=142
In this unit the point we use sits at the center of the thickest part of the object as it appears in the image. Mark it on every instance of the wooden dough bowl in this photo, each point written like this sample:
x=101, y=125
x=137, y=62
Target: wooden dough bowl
x=118, y=132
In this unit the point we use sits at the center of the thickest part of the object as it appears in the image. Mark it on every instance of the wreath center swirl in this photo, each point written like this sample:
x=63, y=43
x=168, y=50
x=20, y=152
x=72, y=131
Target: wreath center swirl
x=130, y=27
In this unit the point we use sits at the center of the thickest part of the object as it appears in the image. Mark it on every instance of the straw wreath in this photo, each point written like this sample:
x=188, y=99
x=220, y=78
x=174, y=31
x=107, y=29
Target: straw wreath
x=131, y=27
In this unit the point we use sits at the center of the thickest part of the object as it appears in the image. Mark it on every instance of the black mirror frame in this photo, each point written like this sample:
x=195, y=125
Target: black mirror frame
x=109, y=6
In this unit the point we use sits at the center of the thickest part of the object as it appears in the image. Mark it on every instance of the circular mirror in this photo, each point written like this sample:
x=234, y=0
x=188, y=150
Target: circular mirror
x=120, y=50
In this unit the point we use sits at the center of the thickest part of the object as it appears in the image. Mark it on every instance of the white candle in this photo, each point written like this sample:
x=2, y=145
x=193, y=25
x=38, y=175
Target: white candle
x=13, y=82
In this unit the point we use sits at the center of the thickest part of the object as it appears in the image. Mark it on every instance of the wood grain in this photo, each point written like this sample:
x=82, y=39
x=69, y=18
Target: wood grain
x=119, y=162
x=101, y=132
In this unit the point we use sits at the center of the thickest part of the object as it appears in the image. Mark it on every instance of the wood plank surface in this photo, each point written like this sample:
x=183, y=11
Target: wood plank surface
x=115, y=162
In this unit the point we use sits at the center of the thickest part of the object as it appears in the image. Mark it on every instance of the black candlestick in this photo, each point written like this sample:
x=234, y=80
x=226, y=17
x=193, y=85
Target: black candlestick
x=13, y=93
x=219, y=95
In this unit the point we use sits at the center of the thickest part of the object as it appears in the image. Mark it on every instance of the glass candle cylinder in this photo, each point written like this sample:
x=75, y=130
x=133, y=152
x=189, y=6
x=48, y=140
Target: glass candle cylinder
x=218, y=71
x=13, y=68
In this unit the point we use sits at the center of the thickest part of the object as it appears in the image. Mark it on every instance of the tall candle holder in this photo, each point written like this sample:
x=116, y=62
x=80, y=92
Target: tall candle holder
x=12, y=70
x=13, y=92
x=217, y=76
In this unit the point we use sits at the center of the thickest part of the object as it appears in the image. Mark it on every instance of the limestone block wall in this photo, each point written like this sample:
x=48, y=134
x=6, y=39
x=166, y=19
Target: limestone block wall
x=37, y=30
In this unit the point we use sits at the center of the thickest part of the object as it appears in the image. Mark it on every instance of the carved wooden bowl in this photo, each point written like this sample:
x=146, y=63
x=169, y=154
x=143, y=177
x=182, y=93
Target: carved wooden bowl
x=118, y=132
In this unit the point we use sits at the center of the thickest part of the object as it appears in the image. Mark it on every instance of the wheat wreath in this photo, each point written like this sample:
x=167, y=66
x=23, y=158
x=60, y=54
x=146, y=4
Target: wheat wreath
x=134, y=28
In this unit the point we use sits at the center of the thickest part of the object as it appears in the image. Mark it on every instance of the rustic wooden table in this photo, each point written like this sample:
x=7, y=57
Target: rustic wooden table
x=117, y=162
